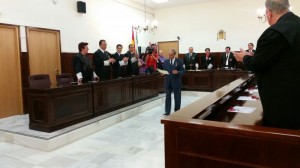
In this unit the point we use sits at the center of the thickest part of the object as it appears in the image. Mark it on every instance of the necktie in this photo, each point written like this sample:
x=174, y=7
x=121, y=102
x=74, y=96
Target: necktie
x=171, y=62
x=226, y=60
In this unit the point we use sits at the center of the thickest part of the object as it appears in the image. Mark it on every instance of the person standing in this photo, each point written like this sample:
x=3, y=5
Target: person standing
x=103, y=61
x=276, y=65
x=207, y=60
x=227, y=59
x=132, y=61
x=190, y=59
x=172, y=81
x=161, y=60
x=120, y=66
x=250, y=48
x=82, y=65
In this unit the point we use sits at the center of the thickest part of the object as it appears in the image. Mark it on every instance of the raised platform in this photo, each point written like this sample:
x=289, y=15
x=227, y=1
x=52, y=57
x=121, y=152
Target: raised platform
x=16, y=130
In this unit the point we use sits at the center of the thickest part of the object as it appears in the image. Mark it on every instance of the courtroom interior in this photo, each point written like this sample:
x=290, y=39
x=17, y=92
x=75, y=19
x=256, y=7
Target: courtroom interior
x=149, y=83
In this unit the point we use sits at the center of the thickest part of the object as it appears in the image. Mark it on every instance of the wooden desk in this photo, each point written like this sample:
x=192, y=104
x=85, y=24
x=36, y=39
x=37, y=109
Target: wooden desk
x=206, y=80
x=55, y=108
x=58, y=107
x=204, y=134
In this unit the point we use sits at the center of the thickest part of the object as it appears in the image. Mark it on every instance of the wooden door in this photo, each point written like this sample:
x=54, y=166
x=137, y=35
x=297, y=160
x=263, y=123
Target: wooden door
x=44, y=52
x=10, y=70
x=165, y=46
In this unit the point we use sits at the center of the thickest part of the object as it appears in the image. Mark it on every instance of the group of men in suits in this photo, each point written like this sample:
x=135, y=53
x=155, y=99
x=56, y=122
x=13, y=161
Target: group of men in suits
x=228, y=61
x=106, y=65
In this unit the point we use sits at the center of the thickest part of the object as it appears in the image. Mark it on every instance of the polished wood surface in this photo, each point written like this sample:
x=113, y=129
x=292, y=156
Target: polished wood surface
x=206, y=80
x=10, y=70
x=55, y=108
x=61, y=106
x=112, y=94
x=204, y=134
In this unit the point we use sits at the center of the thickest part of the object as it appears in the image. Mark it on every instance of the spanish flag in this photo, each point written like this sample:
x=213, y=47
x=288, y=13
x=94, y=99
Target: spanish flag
x=132, y=39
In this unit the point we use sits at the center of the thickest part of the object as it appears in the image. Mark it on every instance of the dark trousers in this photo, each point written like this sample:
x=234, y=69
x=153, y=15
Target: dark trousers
x=177, y=98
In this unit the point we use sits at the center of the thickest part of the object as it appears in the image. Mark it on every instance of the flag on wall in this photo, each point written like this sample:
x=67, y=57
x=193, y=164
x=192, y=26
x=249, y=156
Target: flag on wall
x=132, y=39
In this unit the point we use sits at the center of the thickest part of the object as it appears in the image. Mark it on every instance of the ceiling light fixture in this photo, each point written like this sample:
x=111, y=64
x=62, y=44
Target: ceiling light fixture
x=147, y=27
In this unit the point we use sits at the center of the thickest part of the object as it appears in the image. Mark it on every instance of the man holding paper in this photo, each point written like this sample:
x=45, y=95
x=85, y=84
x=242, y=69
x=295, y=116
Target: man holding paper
x=172, y=83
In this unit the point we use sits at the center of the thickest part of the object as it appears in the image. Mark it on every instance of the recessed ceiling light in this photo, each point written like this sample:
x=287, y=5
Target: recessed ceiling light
x=160, y=1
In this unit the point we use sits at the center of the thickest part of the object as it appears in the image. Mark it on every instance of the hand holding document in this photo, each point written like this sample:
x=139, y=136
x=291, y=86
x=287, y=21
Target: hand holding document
x=164, y=72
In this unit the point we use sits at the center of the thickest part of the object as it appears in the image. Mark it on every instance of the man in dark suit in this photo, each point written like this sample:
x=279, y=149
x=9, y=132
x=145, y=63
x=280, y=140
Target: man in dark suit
x=227, y=59
x=250, y=48
x=103, y=61
x=82, y=65
x=277, y=68
x=207, y=60
x=172, y=81
x=190, y=59
x=120, y=66
x=132, y=60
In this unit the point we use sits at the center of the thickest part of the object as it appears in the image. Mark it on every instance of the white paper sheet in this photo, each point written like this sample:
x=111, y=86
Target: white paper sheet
x=163, y=71
x=251, y=91
x=248, y=98
x=241, y=109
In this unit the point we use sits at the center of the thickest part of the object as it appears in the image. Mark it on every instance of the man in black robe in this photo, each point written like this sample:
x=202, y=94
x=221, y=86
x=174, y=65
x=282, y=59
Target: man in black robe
x=276, y=65
x=132, y=61
x=82, y=65
x=103, y=61
x=121, y=65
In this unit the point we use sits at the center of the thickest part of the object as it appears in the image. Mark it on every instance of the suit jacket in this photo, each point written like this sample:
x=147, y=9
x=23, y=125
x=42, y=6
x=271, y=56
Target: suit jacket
x=231, y=60
x=205, y=63
x=118, y=71
x=104, y=72
x=187, y=60
x=133, y=68
x=171, y=80
x=277, y=68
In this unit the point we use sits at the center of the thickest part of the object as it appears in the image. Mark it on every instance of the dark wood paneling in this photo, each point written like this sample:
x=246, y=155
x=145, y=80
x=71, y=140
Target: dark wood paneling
x=111, y=95
x=216, y=139
x=67, y=62
x=55, y=108
x=145, y=87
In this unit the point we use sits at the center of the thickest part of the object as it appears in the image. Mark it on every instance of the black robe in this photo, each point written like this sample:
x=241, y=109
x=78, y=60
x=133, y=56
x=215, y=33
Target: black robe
x=103, y=72
x=276, y=63
x=82, y=64
x=133, y=68
x=205, y=63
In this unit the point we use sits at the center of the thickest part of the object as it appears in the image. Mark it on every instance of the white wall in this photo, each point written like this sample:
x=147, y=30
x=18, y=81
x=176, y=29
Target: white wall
x=105, y=19
x=198, y=24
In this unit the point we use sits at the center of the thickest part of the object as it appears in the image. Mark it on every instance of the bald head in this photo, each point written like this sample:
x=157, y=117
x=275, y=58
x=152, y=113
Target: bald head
x=277, y=6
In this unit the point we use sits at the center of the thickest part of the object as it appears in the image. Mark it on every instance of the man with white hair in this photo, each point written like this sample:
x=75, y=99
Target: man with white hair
x=276, y=64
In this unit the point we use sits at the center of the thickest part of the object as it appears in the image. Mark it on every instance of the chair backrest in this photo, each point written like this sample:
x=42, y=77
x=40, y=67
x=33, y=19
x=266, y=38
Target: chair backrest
x=39, y=81
x=64, y=79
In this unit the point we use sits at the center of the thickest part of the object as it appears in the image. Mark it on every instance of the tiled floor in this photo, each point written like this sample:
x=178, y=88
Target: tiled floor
x=137, y=142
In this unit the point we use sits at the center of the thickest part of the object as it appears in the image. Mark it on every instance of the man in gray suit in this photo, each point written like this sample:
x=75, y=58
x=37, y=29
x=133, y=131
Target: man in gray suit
x=190, y=59
x=172, y=82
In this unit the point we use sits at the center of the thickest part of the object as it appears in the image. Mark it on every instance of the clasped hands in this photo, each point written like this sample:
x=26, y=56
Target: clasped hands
x=112, y=60
x=239, y=56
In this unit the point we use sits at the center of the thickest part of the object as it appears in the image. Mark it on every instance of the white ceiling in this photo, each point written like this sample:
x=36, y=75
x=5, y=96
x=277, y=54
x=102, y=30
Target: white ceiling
x=154, y=5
